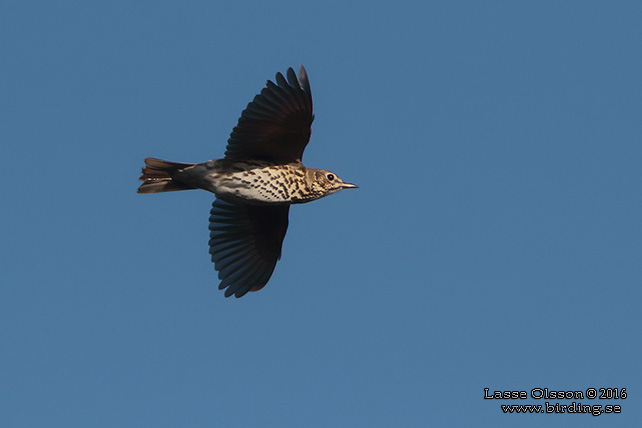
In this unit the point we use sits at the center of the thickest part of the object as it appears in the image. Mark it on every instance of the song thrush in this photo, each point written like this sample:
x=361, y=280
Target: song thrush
x=255, y=183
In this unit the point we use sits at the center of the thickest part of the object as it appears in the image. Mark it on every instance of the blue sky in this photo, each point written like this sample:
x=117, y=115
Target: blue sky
x=494, y=242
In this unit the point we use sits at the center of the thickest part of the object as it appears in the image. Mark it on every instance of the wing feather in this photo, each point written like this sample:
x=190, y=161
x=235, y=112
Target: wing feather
x=276, y=125
x=245, y=243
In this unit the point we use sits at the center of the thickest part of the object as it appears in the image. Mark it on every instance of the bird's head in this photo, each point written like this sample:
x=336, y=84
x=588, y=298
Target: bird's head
x=326, y=183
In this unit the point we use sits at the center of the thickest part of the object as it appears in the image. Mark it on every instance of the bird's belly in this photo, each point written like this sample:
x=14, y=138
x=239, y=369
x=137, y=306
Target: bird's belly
x=250, y=189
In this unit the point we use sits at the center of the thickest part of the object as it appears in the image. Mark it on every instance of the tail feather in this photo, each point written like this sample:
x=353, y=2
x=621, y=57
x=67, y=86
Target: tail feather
x=158, y=176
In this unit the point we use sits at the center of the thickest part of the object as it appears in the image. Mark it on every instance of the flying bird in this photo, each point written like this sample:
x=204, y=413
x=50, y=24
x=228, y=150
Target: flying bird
x=255, y=183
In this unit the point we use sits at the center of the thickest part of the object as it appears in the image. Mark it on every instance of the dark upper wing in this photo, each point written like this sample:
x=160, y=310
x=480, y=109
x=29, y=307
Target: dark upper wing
x=245, y=243
x=276, y=124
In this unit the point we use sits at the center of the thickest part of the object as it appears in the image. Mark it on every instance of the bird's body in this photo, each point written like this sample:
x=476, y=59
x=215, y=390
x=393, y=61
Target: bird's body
x=255, y=184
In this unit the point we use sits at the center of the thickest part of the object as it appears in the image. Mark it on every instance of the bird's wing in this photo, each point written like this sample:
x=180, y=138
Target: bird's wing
x=275, y=126
x=245, y=243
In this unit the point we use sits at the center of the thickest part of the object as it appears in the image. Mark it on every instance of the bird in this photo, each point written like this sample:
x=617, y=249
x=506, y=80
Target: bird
x=259, y=177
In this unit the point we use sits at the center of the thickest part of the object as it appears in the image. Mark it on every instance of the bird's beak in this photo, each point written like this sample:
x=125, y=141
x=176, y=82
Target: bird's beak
x=349, y=186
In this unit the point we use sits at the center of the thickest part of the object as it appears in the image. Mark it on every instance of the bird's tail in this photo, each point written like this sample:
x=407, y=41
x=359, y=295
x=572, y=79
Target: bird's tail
x=158, y=176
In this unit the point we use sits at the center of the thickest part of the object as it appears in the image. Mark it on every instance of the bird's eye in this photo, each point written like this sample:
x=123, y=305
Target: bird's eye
x=330, y=177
